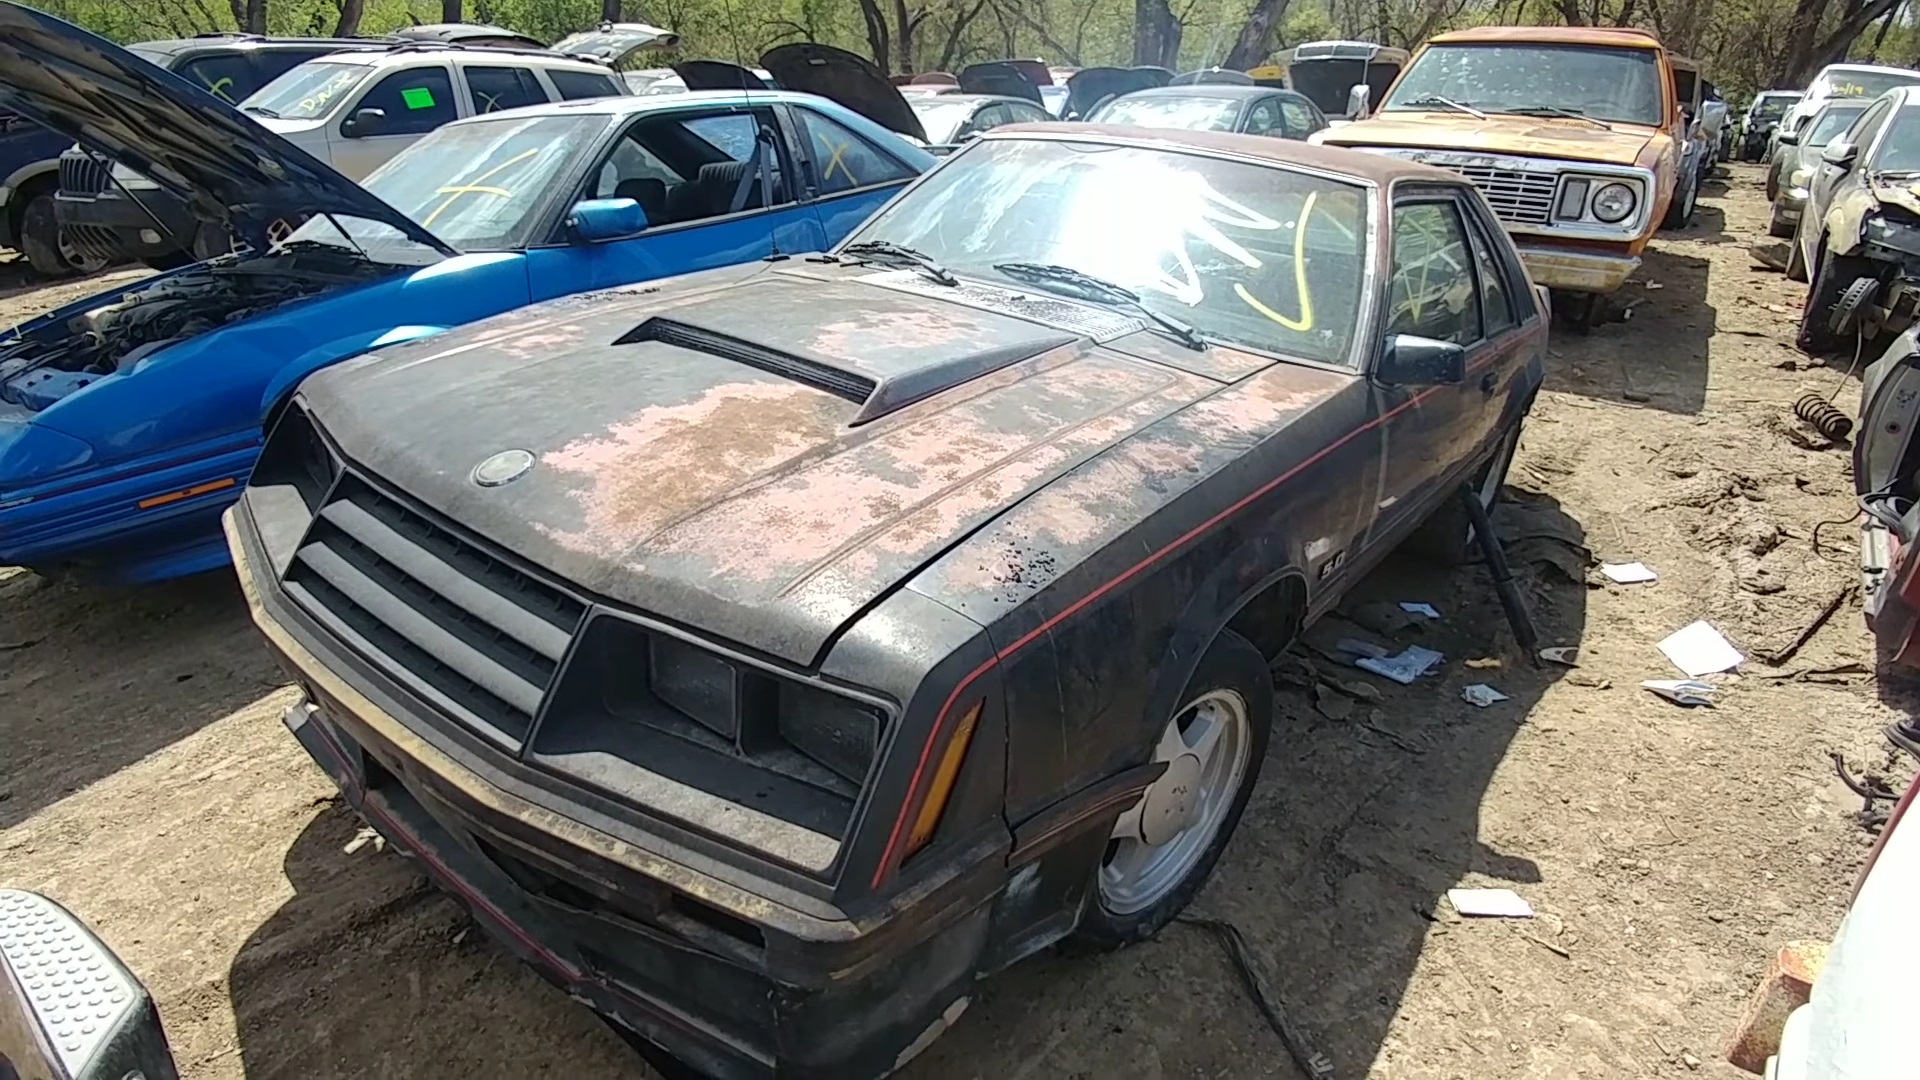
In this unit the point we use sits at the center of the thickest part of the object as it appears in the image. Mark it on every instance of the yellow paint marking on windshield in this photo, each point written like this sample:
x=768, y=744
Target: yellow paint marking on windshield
x=838, y=159
x=219, y=88
x=1305, y=322
x=455, y=191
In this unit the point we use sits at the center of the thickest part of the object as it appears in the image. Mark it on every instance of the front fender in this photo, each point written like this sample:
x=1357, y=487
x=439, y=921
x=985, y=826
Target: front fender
x=338, y=349
x=1844, y=222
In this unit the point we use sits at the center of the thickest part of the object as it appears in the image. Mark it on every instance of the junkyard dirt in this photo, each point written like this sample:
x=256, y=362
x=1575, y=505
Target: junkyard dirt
x=146, y=781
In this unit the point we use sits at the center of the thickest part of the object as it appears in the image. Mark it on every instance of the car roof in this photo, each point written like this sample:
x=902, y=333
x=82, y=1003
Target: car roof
x=966, y=99
x=397, y=55
x=630, y=104
x=1377, y=168
x=1212, y=90
x=1552, y=35
x=1887, y=69
x=250, y=42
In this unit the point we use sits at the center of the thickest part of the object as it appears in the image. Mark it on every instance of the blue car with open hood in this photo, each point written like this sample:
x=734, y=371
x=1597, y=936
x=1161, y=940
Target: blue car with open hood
x=130, y=419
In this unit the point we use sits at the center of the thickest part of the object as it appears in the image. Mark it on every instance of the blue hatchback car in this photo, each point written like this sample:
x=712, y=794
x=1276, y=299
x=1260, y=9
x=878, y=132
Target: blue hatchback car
x=131, y=419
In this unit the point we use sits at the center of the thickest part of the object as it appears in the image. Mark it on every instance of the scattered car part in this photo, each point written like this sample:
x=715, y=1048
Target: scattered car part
x=1820, y=413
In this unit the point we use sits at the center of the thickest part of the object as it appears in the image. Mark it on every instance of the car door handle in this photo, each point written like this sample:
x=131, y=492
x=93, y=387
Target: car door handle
x=1489, y=382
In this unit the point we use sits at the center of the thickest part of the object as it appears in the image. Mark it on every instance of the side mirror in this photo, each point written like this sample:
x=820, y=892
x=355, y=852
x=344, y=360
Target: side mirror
x=1790, y=138
x=115, y=1035
x=1408, y=360
x=364, y=123
x=594, y=220
x=1840, y=154
x=1359, y=96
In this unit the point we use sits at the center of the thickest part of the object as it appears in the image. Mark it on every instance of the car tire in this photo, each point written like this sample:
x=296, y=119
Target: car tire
x=1139, y=889
x=1776, y=227
x=1796, y=262
x=1680, y=208
x=1773, y=181
x=1830, y=281
x=1446, y=537
x=41, y=243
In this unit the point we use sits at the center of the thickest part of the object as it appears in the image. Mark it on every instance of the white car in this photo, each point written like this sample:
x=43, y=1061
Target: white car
x=1858, y=1024
x=1845, y=81
x=354, y=111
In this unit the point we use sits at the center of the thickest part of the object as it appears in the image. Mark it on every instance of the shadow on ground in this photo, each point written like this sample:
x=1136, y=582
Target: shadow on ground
x=1658, y=358
x=94, y=679
x=1367, y=811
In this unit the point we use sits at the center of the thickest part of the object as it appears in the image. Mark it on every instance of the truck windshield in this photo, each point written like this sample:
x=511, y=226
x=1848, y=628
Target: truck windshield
x=1773, y=108
x=1621, y=85
x=1833, y=120
x=1860, y=84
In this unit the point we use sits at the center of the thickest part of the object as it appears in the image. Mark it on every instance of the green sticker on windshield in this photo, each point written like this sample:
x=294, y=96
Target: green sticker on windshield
x=417, y=97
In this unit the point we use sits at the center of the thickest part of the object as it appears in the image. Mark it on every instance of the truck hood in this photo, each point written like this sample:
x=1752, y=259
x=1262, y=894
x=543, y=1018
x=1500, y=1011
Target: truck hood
x=230, y=170
x=763, y=458
x=1524, y=136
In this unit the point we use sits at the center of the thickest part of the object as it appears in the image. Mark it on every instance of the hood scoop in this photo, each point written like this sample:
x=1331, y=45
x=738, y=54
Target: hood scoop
x=876, y=348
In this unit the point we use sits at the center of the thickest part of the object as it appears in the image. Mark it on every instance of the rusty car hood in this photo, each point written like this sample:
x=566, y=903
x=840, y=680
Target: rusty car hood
x=761, y=453
x=1523, y=136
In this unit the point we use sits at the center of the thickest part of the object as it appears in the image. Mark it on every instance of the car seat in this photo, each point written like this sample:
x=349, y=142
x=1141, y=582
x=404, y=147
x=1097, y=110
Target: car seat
x=650, y=192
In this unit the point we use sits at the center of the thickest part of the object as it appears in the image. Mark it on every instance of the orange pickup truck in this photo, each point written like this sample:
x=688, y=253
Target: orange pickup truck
x=1575, y=135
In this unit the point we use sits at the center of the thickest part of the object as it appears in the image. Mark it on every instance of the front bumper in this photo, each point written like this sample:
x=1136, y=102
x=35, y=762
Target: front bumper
x=1577, y=271
x=736, y=981
x=111, y=226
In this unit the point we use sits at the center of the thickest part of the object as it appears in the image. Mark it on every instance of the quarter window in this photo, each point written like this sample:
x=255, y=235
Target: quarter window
x=1300, y=118
x=843, y=160
x=1431, y=292
x=416, y=100
x=497, y=88
x=574, y=85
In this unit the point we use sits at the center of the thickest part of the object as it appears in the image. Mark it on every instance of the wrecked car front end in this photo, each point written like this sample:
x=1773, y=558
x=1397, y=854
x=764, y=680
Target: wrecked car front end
x=1878, y=223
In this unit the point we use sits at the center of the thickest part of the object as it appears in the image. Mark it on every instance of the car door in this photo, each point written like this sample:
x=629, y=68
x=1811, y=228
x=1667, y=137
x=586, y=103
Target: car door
x=1828, y=179
x=390, y=115
x=1432, y=291
x=685, y=168
x=851, y=176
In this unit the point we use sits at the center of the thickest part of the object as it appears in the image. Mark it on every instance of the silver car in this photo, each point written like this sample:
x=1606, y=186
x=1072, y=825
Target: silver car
x=1798, y=156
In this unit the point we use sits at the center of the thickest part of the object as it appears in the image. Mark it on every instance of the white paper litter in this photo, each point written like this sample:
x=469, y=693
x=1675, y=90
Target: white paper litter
x=1683, y=691
x=1490, y=903
x=1698, y=649
x=1632, y=573
x=1416, y=608
x=1566, y=655
x=1482, y=695
x=1404, y=668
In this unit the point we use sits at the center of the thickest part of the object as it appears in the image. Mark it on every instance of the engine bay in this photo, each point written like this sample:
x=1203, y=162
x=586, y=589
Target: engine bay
x=48, y=362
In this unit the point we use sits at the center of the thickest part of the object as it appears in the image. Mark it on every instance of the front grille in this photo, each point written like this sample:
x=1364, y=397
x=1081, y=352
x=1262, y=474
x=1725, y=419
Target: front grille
x=1518, y=196
x=478, y=635
x=82, y=175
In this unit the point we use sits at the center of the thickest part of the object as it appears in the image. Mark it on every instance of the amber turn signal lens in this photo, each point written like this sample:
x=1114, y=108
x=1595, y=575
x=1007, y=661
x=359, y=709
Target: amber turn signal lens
x=941, y=789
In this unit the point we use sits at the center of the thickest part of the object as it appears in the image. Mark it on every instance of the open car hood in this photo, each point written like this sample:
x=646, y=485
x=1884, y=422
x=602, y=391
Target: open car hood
x=612, y=42
x=850, y=79
x=1008, y=78
x=1089, y=87
x=231, y=171
x=717, y=75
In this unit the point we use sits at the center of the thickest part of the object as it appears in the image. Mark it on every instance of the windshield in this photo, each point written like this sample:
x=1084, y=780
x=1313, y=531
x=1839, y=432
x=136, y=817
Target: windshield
x=306, y=91
x=1860, y=84
x=1832, y=120
x=1899, y=149
x=1229, y=248
x=1192, y=113
x=1773, y=108
x=940, y=118
x=1622, y=85
x=477, y=185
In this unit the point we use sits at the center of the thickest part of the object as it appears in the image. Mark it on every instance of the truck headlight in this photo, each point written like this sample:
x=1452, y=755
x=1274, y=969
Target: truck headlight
x=1798, y=178
x=1613, y=203
x=132, y=181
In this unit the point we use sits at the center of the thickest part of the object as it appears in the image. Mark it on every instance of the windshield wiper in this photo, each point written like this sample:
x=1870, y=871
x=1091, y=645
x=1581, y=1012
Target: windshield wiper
x=261, y=110
x=1100, y=289
x=1555, y=110
x=888, y=253
x=1435, y=99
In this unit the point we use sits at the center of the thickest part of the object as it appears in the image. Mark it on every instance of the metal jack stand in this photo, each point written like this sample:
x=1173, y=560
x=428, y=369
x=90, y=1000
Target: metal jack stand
x=1516, y=607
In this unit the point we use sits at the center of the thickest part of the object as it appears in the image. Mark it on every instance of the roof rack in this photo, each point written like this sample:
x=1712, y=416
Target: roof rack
x=401, y=45
x=243, y=35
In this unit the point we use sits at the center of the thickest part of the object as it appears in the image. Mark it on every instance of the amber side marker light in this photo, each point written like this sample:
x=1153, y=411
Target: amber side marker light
x=941, y=789
x=187, y=493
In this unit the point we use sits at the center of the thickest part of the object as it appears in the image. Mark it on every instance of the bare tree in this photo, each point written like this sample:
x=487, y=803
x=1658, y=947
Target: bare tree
x=1256, y=36
x=1156, y=33
x=449, y=10
x=348, y=24
x=1809, y=50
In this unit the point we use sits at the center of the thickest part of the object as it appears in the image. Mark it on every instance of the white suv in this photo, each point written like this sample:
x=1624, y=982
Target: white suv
x=356, y=110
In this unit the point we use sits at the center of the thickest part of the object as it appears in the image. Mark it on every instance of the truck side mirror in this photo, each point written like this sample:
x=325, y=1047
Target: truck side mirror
x=364, y=123
x=1358, y=98
x=1789, y=138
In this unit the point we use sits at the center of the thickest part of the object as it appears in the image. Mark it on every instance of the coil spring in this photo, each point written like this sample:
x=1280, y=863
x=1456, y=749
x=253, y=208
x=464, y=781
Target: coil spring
x=1825, y=419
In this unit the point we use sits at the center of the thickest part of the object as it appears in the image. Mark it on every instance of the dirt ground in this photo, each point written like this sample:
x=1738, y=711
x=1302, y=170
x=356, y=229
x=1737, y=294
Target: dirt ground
x=145, y=780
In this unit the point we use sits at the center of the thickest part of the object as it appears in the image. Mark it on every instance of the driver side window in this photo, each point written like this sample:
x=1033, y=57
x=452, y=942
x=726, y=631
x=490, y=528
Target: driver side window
x=683, y=167
x=416, y=101
x=1866, y=127
x=1431, y=292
